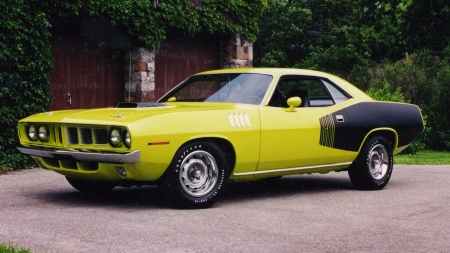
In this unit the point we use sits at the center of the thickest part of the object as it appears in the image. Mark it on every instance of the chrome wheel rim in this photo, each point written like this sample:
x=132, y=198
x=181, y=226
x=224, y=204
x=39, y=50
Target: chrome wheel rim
x=378, y=162
x=198, y=173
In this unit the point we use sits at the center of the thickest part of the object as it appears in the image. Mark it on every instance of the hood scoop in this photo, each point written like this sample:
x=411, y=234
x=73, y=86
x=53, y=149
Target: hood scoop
x=138, y=104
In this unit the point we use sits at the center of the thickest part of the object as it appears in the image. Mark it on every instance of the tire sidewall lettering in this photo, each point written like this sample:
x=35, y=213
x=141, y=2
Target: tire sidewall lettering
x=360, y=170
x=214, y=150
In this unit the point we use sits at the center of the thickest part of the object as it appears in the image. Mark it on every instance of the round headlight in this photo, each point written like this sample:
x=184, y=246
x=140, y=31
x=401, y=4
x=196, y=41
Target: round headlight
x=43, y=133
x=127, y=138
x=31, y=133
x=114, y=137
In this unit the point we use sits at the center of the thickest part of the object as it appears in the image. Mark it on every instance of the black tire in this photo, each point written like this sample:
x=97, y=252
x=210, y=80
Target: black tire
x=90, y=187
x=197, y=176
x=373, y=167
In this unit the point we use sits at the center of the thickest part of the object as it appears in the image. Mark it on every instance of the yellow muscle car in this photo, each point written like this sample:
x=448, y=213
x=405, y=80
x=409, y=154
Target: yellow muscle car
x=225, y=125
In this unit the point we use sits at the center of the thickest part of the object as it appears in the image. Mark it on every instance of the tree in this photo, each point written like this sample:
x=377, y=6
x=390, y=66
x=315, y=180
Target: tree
x=283, y=36
x=333, y=36
x=426, y=25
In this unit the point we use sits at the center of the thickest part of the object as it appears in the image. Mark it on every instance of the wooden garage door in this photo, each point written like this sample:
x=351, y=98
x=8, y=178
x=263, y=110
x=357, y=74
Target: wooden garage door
x=84, y=76
x=178, y=59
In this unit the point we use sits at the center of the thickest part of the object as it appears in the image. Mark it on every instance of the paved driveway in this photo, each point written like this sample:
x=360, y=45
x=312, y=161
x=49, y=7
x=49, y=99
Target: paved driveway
x=309, y=213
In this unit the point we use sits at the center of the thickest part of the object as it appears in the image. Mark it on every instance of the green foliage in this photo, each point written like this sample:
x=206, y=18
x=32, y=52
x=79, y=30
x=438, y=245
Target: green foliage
x=426, y=25
x=233, y=16
x=25, y=62
x=283, y=34
x=385, y=94
x=332, y=36
x=151, y=26
x=436, y=102
x=409, y=77
x=11, y=249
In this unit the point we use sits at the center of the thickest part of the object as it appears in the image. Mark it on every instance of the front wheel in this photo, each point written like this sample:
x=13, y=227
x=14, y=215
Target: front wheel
x=373, y=167
x=197, y=175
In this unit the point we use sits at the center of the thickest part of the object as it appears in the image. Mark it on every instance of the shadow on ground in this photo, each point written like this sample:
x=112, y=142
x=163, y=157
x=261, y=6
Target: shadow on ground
x=151, y=197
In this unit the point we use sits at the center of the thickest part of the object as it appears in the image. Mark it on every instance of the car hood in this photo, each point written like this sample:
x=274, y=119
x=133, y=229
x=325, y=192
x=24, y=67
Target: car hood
x=124, y=116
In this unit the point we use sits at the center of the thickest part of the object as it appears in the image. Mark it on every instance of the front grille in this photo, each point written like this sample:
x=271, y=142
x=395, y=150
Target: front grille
x=68, y=164
x=72, y=135
x=75, y=136
x=60, y=135
x=86, y=135
x=100, y=136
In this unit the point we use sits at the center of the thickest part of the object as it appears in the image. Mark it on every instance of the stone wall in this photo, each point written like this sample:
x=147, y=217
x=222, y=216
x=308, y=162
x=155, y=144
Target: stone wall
x=140, y=86
x=238, y=54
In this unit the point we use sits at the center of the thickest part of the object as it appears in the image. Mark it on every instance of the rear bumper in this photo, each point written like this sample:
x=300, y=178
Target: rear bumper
x=132, y=157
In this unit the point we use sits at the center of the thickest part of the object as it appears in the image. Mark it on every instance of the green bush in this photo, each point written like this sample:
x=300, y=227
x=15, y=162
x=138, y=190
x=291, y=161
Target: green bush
x=384, y=93
x=434, y=101
x=26, y=62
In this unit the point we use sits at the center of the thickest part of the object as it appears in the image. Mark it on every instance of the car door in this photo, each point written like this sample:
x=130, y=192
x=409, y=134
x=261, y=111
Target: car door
x=304, y=135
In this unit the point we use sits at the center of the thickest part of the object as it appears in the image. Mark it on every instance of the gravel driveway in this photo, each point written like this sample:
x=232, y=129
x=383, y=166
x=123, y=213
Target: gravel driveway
x=308, y=213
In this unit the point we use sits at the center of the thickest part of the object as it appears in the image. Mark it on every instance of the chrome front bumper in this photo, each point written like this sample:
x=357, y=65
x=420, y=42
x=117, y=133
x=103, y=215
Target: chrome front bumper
x=132, y=157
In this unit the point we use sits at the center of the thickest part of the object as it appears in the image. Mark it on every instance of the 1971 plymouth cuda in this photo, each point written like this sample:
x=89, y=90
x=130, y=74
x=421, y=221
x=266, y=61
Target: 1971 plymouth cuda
x=225, y=125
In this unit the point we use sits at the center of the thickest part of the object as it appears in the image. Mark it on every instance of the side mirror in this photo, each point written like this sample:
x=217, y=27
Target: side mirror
x=172, y=99
x=292, y=103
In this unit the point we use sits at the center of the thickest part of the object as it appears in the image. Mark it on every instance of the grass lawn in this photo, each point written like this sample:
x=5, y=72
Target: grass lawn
x=425, y=157
x=11, y=249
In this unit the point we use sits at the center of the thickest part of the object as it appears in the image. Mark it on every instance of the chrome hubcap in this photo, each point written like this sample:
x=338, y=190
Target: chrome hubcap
x=378, y=162
x=198, y=173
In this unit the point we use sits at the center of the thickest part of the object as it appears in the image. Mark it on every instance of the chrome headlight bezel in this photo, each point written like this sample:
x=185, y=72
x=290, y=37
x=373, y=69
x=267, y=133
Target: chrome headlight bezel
x=114, y=137
x=126, y=137
x=43, y=133
x=31, y=132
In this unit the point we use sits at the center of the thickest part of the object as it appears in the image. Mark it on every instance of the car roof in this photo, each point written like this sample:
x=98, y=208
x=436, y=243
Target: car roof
x=274, y=71
x=348, y=87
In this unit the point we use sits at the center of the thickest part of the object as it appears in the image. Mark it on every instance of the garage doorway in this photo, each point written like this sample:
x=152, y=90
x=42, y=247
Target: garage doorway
x=84, y=74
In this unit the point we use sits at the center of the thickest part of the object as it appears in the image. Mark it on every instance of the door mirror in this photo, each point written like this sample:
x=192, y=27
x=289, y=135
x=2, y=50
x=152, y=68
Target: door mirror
x=292, y=103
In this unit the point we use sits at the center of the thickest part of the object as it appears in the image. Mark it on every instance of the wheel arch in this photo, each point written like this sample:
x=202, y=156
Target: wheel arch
x=224, y=144
x=388, y=133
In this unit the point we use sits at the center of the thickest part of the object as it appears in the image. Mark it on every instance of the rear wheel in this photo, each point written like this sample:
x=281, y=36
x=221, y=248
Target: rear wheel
x=90, y=187
x=373, y=166
x=197, y=175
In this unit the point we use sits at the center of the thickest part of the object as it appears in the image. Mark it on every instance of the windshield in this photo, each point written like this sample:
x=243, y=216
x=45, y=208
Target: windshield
x=229, y=88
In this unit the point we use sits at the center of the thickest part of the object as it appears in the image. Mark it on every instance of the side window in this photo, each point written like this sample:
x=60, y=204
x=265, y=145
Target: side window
x=338, y=95
x=312, y=91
